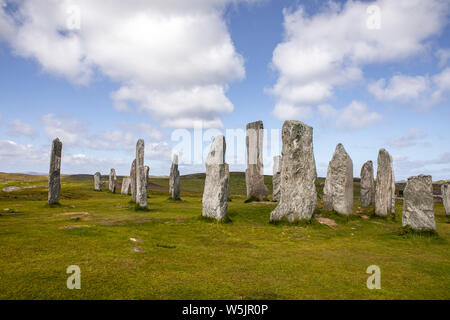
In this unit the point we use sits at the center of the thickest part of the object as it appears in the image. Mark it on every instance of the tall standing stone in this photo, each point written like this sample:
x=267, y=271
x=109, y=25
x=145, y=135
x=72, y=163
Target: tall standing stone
x=445, y=191
x=174, y=179
x=298, y=174
x=338, y=189
x=133, y=181
x=418, y=204
x=126, y=182
x=112, y=181
x=141, y=184
x=392, y=186
x=276, y=178
x=254, y=175
x=147, y=174
x=54, y=174
x=367, y=184
x=97, y=181
x=215, y=194
x=383, y=186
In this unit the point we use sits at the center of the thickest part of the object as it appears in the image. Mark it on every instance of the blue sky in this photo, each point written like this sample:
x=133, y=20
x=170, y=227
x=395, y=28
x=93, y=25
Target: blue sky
x=101, y=75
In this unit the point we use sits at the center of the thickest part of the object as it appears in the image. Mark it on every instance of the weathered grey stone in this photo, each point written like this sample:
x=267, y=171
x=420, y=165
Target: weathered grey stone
x=126, y=183
x=215, y=194
x=254, y=175
x=367, y=184
x=54, y=174
x=133, y=181
x=383, y=186
x=112, y=181
x=338, y=189
x=445, y=191
x=276, y=178
x=298, y=174
x=392, y=186
x=418, y=204
x=141, y=183
x=147, y=174
x=174, y=179
x=97, y=181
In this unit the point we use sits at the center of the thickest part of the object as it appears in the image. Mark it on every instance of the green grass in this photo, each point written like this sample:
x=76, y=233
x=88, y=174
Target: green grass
x=184, y=256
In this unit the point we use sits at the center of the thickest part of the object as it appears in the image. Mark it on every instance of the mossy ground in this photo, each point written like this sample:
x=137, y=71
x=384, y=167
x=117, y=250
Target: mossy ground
x=183, y=256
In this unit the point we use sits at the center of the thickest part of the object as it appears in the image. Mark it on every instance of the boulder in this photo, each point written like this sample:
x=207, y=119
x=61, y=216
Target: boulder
x=418, y=204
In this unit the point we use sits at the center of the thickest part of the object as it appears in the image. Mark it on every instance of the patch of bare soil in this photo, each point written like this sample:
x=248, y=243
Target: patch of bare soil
x=326, y=221
x=73, y=227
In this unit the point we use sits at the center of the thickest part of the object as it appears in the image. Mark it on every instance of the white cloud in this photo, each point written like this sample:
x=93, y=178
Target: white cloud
x=18, y=128
x=442, y=85
x=400, y=88
x=66, y=129
x=353, y=117
x=286, y=111
x=12, y=151
x=443, y=55
x=330, y=48
x=412, y=138
x=356, y=116
x=173, y=58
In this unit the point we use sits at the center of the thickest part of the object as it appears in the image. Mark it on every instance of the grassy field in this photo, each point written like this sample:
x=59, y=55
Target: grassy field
x=178, y=255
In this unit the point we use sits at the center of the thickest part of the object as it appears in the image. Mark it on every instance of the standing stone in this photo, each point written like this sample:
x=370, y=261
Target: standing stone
x=174, y=179
x=392, y=186
x=418, y=204
x=54, y=174
x=112, y=181
x=97, y=181
x=126, y=182
x=141, y=183
x=133, y=181
x=445, y=191
x=383, y=186
x=254, y=175
x=338, y=189
x=298, y=174
x=276, y=178
x=367, y=184
x=215, y=194
x=147, y=174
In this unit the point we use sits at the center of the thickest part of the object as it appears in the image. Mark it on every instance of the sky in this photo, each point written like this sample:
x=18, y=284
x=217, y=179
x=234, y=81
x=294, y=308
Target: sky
x=102, y=74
